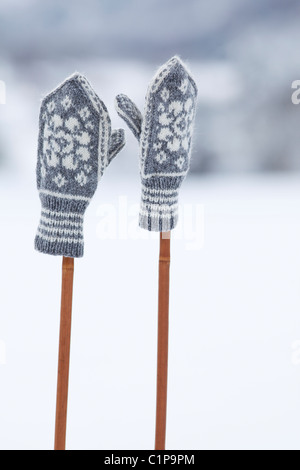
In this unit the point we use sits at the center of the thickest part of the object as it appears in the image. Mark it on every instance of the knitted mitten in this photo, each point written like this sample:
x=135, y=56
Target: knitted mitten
x=75, y=146
x=165, y=134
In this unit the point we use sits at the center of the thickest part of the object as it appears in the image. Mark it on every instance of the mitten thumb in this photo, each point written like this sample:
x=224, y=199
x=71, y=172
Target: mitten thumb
x=128, y=111
x=116, y=143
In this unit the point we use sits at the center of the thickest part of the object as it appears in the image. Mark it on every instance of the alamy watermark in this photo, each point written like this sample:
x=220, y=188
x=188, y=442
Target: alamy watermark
x=2, y=353
x=296, y=93
x=121, y=222
x=2, y=92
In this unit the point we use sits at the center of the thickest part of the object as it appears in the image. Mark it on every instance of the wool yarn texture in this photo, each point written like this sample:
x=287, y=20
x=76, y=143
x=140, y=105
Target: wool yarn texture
x=75, y=147
x=164, y=133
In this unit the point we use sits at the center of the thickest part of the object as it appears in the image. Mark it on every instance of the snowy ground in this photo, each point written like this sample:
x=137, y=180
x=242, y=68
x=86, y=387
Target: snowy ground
x=234, y=380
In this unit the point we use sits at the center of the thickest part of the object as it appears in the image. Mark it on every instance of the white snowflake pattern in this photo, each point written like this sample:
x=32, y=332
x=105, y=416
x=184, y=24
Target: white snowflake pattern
x=165, y=94
x=184, y=86
x=87, y=168
x=157, y=146
x=161, y=157
x=60, y=180
x=67, y=102
x=51, y=148
x=55, y=121
x=174, y=126
x=51, y=106
x=65, y=142
x=180, y=162
x=81, y=178
x=90, y=125
x=73, y=124
x=84, y=113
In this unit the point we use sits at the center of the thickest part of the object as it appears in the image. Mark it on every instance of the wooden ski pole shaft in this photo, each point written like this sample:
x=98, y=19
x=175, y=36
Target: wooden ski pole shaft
x=163, y=339
x=64, y=353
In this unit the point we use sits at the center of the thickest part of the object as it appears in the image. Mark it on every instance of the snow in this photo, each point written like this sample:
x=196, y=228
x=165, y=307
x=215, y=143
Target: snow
x=234, y=320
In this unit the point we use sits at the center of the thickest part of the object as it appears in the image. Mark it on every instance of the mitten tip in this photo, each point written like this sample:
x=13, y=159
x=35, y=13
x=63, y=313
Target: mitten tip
x=119, y=99
x=176, y=61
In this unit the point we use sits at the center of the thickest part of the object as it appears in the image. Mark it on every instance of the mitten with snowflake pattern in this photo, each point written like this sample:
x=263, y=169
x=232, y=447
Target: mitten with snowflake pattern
x=75, y=146
x=165, y=136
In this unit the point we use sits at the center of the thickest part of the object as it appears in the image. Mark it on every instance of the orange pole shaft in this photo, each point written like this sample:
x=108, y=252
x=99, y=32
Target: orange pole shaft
x=163, y=339
x=64, y=353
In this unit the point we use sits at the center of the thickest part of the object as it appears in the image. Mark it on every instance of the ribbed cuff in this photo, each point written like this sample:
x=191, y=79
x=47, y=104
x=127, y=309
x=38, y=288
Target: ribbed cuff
x=158, y=210
x=60, y=231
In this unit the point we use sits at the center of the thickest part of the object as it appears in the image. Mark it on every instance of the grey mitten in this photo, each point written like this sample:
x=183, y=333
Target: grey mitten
x=165, y=134
x=75, y=146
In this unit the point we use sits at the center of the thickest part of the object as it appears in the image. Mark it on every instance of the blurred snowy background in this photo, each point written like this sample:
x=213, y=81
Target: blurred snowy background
x=244, y=55
x=235, y=304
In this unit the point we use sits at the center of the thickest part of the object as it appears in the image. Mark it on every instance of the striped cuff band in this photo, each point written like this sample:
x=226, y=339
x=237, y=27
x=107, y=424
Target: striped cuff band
x=60, y=232
x=158, y=210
